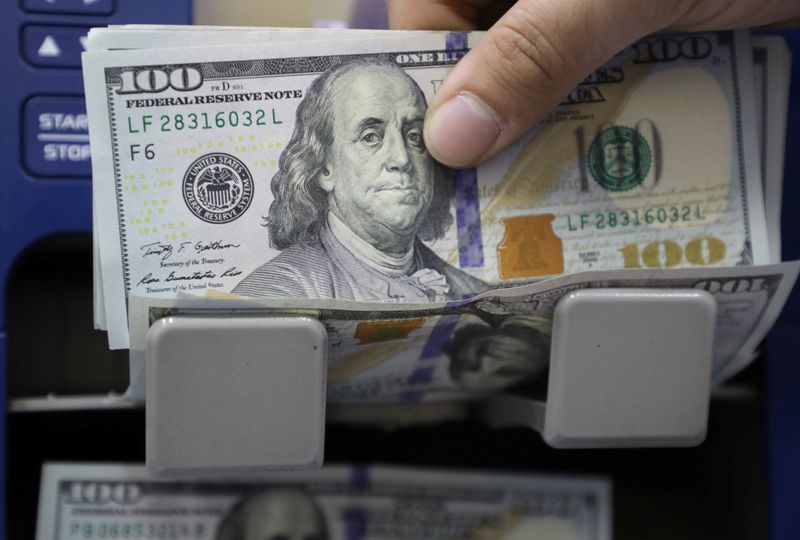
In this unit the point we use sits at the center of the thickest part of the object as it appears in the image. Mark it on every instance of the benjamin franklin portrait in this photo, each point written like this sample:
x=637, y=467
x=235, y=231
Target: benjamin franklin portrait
x=276, y=514
x=490, y=358
x=356, y=196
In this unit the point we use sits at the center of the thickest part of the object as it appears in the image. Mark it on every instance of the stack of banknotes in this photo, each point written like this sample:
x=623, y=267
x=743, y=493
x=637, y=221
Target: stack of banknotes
x=93, y=501
x=281, y=171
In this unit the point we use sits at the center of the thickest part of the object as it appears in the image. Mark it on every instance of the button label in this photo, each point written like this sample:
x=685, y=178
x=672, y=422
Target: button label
x=49, y=47
x=57, y=137
x=76, y=7
x=54, y=46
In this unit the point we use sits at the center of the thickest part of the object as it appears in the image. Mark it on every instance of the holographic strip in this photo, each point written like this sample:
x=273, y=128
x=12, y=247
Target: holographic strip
x=356, y=518
x=468, y=211
x=440, y=336
x=468, y=219
x=434, y=348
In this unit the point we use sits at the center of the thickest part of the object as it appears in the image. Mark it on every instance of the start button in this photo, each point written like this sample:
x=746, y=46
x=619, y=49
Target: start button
x=57, y=137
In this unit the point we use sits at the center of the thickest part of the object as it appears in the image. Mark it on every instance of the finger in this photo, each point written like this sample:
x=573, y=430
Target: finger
x=524, y=66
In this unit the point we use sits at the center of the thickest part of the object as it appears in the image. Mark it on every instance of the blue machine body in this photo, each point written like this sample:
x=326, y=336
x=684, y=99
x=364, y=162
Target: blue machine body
x=783, y=342
x=45, y=186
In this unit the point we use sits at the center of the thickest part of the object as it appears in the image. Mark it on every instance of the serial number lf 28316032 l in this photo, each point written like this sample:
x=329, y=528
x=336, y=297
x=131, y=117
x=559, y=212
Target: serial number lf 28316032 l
x=636, y=217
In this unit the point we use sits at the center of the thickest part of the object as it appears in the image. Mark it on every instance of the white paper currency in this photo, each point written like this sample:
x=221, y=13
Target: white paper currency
x=167, y=36
x=648, y=179
x=170, y=36
x=771, y=71
x=495, y=342
x=772, y=67
x=92, y=501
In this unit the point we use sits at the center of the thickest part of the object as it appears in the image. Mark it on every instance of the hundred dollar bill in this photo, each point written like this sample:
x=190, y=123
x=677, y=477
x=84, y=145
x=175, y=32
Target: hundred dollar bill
x=93, y=501
x=771, y=58
x=276, y=171
x=165, y=36
x=772, y=66
x=770, y=96
x=497, y=341
x=170, y=36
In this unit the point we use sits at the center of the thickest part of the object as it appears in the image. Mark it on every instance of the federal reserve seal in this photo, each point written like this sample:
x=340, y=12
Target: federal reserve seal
x=217, y=188
x=619, y=158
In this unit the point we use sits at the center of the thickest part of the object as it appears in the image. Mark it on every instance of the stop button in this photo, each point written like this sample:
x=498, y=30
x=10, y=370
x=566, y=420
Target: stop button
x=57, y=136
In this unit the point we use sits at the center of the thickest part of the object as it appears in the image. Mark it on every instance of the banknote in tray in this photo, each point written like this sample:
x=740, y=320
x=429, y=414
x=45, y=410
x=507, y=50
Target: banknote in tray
x=93, y=501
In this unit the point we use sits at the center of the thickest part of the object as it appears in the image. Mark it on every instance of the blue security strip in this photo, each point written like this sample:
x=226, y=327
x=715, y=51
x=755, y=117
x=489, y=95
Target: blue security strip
x=439, y=337
x=412, y=396
x=359, y=476
x=356, y=523
x=421, y=375
x=356, y=518
x=456, y=41
x=468, y=219
x=56, y=141
x=434, y=348
x=468, y=210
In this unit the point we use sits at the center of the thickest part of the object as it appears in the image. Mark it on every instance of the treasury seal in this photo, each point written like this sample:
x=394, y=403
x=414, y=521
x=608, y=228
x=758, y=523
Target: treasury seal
x=217, y=188
x=619, y=158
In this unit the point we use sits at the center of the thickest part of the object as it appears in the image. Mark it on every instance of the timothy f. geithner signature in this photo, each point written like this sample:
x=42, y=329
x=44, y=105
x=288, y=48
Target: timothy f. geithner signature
x=165, y=250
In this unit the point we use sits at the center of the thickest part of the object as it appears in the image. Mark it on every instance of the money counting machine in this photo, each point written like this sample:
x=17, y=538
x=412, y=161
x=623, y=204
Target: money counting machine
x=266, y=401
x=46, y=186
x=628, y=367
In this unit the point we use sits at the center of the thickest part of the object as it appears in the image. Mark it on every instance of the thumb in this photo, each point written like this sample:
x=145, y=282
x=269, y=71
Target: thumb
x=523, y=67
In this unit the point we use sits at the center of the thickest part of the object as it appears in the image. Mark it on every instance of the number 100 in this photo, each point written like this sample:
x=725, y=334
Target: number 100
x=702, y=251
x=154, y=80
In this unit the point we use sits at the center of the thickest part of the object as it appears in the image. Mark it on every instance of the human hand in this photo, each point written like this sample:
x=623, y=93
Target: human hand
x=537, y=51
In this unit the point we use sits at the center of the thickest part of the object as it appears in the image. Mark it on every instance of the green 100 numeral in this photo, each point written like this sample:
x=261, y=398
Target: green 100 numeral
x=701, y=251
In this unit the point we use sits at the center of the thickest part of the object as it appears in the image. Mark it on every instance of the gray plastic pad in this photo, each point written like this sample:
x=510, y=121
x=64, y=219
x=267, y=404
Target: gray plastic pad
x=228, y=395
x=630, y=367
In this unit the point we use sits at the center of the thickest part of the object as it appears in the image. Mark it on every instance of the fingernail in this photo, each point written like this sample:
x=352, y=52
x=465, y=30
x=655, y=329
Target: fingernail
x=462, y=130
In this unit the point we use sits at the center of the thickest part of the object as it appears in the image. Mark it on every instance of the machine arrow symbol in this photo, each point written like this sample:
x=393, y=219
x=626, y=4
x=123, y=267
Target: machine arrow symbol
x=49, y=48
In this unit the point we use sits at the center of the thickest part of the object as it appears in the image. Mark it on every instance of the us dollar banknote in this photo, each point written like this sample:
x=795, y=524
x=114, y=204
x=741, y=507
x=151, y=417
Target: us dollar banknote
x=170, y=36
x=277, y=171
x=93, y=501
x=772, y=67
x=498, y=341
